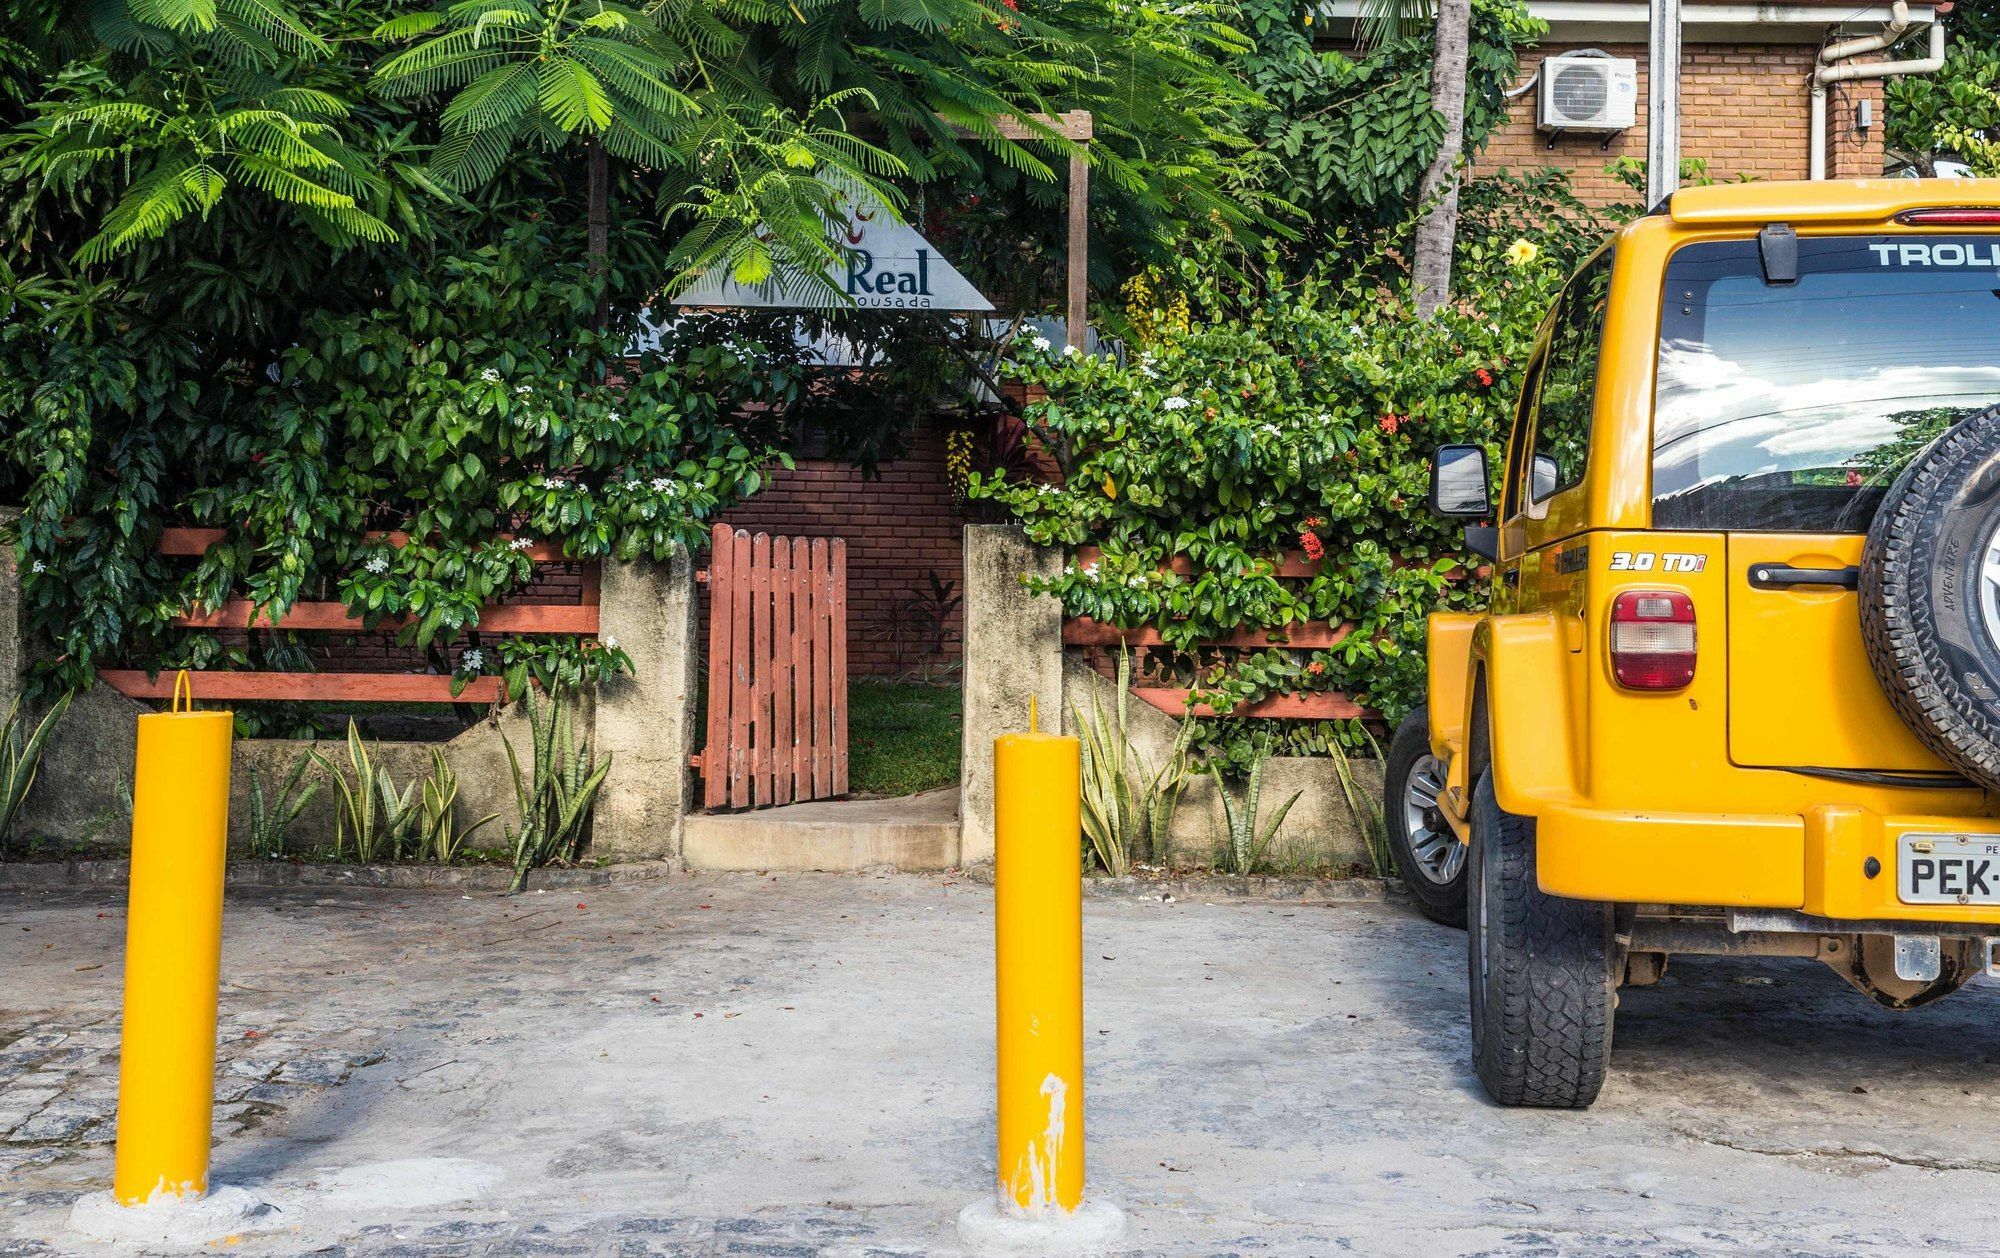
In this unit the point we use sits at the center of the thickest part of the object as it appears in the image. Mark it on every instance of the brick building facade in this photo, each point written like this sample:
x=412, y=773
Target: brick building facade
x=1746, y=73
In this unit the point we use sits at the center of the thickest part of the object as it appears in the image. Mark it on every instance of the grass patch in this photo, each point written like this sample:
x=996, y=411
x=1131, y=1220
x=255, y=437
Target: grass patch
x=902, y=737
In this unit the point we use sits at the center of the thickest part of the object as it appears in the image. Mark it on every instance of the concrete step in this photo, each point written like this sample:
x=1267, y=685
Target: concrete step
x=912, y=832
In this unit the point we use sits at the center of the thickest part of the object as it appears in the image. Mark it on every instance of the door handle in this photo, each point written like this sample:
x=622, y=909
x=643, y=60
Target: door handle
x=1778, y=576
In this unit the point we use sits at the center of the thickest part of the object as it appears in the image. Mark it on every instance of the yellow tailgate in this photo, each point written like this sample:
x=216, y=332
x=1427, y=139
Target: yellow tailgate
x=1801, y=692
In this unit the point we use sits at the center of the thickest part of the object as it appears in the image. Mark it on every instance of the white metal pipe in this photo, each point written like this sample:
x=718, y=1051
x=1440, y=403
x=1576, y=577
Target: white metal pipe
x=1663, y=101
x=1829, y=72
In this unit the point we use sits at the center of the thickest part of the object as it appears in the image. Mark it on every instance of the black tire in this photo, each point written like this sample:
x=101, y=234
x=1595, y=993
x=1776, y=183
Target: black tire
x=1435, y=875
x=1932, y=644
x=1539, y=968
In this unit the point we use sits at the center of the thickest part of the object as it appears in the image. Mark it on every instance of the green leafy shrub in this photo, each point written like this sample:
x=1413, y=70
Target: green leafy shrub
x=1302, y=414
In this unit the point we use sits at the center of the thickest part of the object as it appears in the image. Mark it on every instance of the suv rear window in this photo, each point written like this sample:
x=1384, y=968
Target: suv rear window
x=1791, y=408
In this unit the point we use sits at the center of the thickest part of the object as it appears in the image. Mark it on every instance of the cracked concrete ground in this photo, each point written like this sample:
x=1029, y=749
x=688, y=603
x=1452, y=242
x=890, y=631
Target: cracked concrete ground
x=802, y=1064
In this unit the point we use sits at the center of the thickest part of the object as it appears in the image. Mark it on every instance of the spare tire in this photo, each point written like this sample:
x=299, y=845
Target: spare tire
x=1930, y=596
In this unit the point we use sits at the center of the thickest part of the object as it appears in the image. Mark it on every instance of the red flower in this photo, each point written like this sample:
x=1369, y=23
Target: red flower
x=1389, y=423
x=1484, y=377
x=1012, y=4
x=1310, y=543
x=1313, y=522
x=1316, y=668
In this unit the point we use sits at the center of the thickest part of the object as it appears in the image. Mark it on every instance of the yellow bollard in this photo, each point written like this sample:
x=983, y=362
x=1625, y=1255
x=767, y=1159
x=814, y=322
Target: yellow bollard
x=173, y=952
x=1038, y=929
x=1038, y=963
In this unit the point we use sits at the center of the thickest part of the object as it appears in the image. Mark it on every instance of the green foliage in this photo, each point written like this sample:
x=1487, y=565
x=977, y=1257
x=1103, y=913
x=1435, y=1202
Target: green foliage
x=21, y=760
x=471, y=400
x=381, y=820
x=1244, y=844
x=1127, y=811
x=1353, y=131
x=557, y=795
x=1299, y=415
x=1955, y=113
x=272, y=814
x=438, y=834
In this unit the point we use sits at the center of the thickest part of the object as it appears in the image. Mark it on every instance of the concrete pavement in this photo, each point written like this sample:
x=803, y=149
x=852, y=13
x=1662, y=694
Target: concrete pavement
x=800, y=1064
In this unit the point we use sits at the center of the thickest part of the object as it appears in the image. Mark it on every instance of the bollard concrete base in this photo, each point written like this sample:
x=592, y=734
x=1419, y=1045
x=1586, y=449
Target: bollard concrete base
x=179, y=1221
x=986, y=1228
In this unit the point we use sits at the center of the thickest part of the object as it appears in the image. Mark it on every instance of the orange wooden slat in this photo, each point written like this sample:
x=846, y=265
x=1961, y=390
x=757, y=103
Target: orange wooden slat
x=837, y=665
x=340, y=687
x=822, y=672
x=762, y=746
x=593, y=584
x=802, y=622
x=195, y=542
x=498, y=618
x=739, y=671
x=1323, y=705
x=715, y=755
x=781, y=670
x=1307, y=635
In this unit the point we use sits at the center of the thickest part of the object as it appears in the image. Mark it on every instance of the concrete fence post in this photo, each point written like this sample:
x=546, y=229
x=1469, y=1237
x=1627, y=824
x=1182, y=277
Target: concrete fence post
x=1013, y=650
x=647, y=720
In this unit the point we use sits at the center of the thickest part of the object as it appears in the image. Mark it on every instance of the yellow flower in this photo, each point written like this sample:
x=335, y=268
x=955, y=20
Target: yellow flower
x=1110, y=488
x=1522, y=252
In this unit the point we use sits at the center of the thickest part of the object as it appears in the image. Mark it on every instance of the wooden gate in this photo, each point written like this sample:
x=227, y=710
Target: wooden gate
x=777, y=670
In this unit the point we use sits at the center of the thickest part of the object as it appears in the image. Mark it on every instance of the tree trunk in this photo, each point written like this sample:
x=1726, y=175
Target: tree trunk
x=600, y=221
x=1438, y=228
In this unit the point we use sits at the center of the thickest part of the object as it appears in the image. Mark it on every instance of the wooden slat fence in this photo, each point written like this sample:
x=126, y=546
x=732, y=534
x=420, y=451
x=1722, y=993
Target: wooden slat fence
x=237, y=613
x=1312, y=635
x=777, y=670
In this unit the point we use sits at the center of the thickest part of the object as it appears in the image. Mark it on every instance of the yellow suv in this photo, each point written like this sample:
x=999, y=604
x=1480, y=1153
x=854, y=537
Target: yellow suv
x=1738, y=688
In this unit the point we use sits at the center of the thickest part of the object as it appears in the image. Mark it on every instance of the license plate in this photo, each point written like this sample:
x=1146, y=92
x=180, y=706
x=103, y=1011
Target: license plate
x=1948, y=869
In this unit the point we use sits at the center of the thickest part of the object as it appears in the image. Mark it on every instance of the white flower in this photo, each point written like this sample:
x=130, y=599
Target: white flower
x=1090, y=573
x=521, y=543
x=610, y=641
x=613, y=416
x=1071, y=351
x=1045, y=489
x=522, y=390
x=378, y=565
x=1176, y=403
x=632, y=484
x=661, y=485
x=1146, y=370
x=1137, y=581
x=472, y=661
x=1269, y=430
x=40, y=566
x=490, y=376
x=1041, y=344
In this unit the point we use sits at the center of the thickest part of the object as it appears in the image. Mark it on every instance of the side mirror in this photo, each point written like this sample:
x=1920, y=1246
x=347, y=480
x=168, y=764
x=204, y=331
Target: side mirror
x=1458, y=482
x=1542, y=481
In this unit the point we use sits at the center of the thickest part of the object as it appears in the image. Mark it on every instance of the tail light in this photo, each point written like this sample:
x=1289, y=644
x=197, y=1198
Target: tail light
x=1652, y=639
x=1965, y=216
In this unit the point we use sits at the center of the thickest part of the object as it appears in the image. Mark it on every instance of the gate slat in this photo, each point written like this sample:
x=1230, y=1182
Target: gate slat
x=836, y=621
x=762, y=745
x=714, y=760
x=802, y=622
x=822, y=673
x=739, y=678
x=781, y=670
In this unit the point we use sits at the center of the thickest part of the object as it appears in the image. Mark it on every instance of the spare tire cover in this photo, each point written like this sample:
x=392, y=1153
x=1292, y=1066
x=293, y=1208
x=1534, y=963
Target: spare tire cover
x=1930, y=596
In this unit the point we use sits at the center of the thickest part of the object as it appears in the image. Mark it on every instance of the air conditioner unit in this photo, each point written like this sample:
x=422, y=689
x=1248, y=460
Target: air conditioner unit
x=1587, y=93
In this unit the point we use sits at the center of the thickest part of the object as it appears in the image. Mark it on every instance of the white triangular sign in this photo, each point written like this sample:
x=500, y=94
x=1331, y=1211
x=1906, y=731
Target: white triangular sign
x=888, y=265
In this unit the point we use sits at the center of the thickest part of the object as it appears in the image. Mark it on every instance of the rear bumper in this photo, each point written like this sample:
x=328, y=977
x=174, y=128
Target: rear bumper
x=1815, y=863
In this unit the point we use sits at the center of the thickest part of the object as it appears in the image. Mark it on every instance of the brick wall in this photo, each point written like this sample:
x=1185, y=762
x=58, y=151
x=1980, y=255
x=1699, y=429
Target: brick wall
x=1743, y=109
x=899, y=528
